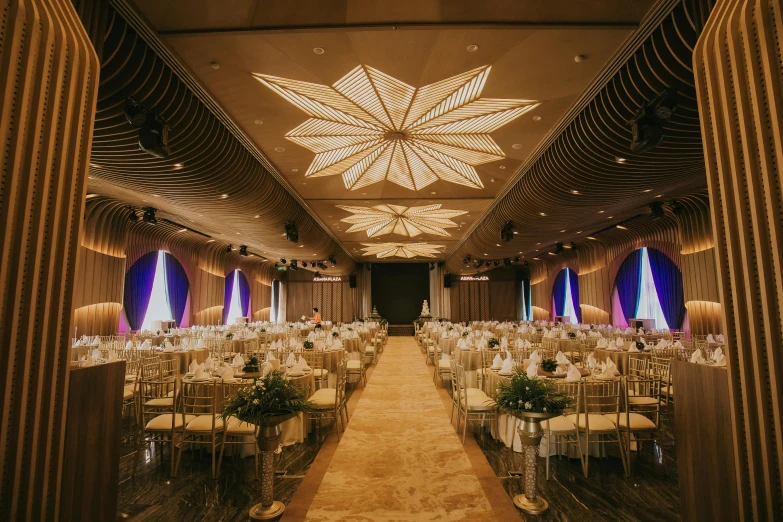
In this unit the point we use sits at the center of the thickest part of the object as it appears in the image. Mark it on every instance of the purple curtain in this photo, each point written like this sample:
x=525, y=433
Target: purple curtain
x=629, y=283
x=573, y=280
x=668, y=285
x=138, y=288
x=244, y=294
x=528, y=304
x=227, y=295
x=176, y=287
x=558, y=293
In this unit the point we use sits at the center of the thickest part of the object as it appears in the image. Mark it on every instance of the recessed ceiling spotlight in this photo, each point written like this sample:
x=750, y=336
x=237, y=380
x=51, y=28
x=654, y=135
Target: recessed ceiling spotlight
x=647, y=190
x=542, y=214
x=620, y=160
x=259, y=122
x=580, y=58
x=621, y=227
x=223, y=196
x=515, y=232
x=574, y=192
x=294, y=170
x=601, y=211
x=485, y=254
x=215, y=65
x=502, y=167
x=472, y=48
x=210, y=240
x=659, y=196
x=318, y=50
x=579, y=232
x=94, y=165
x=496, y=244
x=433, y=193
x=90, y=177
x=183, y=230
x=492, y=180
x=516, y=146
x=88, y=196
x=536, y=118
x=610, y=217
x=179, y=165
x=279, y=149
x=257, y=216
x=591, y=237
x=156, y=195
x=562, y=231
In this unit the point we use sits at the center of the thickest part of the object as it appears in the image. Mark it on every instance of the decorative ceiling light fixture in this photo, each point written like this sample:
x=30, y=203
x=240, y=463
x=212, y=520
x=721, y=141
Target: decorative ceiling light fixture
x=370, y=127
x=406, y=250
x=405, y=221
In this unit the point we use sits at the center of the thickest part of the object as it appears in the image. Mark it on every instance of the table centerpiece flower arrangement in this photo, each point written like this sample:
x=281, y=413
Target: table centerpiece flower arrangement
x=267, y=403
x=549, y=365
x=464, y=334
x=572, y=335
x=229, y=336
x=307, y=345
x=640, y=346
x=252, y=366
x=335, y=334
x=531, y=400
x=493, y=342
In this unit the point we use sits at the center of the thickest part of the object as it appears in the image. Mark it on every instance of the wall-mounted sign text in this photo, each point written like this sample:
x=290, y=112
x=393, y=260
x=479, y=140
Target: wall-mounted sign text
x=474, y=278
x=327, y=279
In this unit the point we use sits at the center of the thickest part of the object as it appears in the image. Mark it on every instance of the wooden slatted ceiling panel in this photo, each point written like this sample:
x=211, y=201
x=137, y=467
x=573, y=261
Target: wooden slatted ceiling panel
x=582, y=158
x=738, y=67
x=215, y=162
x=47, y=125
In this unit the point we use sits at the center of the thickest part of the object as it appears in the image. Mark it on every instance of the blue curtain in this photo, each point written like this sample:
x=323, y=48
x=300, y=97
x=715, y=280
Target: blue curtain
x=558, y=292
x=573, y=280
x=629, y=283
x=176, y=287
x=138, y=288
x=526, y=290
x=244, y=294
x=668, y=285
x=227, y=295
x=273, y=315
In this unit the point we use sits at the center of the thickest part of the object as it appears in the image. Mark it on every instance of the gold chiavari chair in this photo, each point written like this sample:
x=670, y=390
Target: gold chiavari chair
x=476, y=405
x=236, y=432
x=661, y=370
x=356, y=368
x=600, y=418
x=201, y=420
x=158, y=406
x=487, y=357
x=315, y=360
x=564, y=426
x=642, y=417
x=637, y=366
x=330, y=402
x=443, y=369
x=371, y=349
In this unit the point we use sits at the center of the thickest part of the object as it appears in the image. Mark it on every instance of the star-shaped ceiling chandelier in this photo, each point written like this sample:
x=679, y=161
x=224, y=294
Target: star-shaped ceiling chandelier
x=405, y=221
x=406, y=250
x=370, y=127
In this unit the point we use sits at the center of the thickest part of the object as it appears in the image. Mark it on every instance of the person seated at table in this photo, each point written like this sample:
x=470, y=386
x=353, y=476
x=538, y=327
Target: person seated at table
x=316, y=318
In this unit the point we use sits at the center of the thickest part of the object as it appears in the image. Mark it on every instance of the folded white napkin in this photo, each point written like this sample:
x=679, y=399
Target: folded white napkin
x=291, y=360
x=519, y=343
x=532, y=370
x=147, y=344
x=311, y=336
x=168, y=347
x=601, y=343
x=303, y=364
x=112, y=356
x=193, y=366
x=696, y=355
x=535, y=357
x=200, y=373
x=720, y=338
x=78, y=343
x=129, y=345
x=209, y=364
x=239, y=360
x=710, y=338
x=86, y=360
x=718, y=359
x=497, y=362
x=227, y=374
x=573, y=374
x=633, y=348
x=561, y=359
x=504, y=342
x=563, y=335
x=95, y=354
x=507, y=366
x=608, y=371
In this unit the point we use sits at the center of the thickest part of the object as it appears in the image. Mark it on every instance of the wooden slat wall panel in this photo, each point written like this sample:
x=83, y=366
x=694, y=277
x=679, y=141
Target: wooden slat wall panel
x=48, y=88
x=97, y=319
x=99, y=278
x=502, y=300
x=738, y=67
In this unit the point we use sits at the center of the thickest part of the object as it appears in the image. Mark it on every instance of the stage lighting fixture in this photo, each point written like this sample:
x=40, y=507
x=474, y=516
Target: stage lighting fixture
x=573, y=246
x=149, y=215
x=291, y=233
x=507, y=261
x=243, y=250
x=136, y=114
x=332, y=260
x=526, y=264
x=507, y=232
x=294, y=265
x=132, y=216
x=496, y=263
x=154, y=137
x=432, y=266
x=656, y=210
x=516, y=259
x=479, y=262
x=282, y=260
x=321, y=265
x=317, y=274
x=229, y=248
x=677, y=208
x=646, y=124
x=312, y=264
x=558, y=248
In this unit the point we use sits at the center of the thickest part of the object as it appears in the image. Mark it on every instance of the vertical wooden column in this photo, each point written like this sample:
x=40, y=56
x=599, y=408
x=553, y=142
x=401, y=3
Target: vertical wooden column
x=737, y=64
x=48, y=84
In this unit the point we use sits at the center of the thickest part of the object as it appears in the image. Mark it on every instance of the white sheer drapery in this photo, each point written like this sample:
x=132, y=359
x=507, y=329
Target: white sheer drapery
x=440, y=297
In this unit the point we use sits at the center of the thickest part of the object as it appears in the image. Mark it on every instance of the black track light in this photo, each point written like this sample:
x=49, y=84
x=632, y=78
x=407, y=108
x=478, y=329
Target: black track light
x=656, y=210
x=317, y=274
x=507, y=232
x=132, y=216
x=507, y=261
x=677, y=208
x=332, y=260
x=573, y=246
x=282, y=260
x=479, y=262
x=558, y=248
x=149, y=215
x=321, y=265
x=294, y=265
x=291, y=232
x=243, y=250
x=312, y=264
x=516, y=259
x=136, y=114
x=229, y=249
x=646, y=125
x=496, y=262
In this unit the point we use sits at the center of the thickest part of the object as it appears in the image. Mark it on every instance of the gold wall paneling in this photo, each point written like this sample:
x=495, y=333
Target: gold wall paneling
x=49, y=87
x=738, y=68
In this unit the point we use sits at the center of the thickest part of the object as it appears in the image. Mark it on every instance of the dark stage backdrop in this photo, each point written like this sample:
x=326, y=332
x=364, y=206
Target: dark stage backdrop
x=398, y=290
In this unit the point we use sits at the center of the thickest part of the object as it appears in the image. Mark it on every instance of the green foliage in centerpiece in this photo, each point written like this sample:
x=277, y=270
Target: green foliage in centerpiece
x=639, y=345
x=251, y=366
x=308, y=345
x=521, y=394
x=384, y=322
x=262, y=330
x=493, y=342
x=268, y=397
x=549, y=365
x=464, y=334
x=335, y=334
x=229, y=336
x=571, y=335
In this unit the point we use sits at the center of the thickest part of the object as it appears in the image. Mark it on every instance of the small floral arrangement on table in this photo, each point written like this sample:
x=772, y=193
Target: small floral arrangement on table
x=640, y=346
x=451, y=328
x=307, y=345
x=229, y=336
x=268, y=397
x=335, y=334
x=350, y=329
x=251, y=366
x=572, y=335
x=360, y=320
x=539, y=330
x=262, y=330
x=521, y=394
x=464, y=334
x=549, y=365
x=493, y=342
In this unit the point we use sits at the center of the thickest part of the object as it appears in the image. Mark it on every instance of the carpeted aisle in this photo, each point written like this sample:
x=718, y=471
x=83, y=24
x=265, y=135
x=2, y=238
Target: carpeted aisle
x=400, y=458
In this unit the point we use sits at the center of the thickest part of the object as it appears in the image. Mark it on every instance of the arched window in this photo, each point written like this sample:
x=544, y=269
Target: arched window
x=156, y=289
x=648, y=286
x=565, y=296
x=236, y=297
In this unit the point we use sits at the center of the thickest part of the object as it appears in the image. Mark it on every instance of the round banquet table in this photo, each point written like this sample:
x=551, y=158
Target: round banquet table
x=620, y=358
x=448, y=344
x=561, y=345
x=241, y=345
x=354, y=344
x=185, y=358
x=470, y=360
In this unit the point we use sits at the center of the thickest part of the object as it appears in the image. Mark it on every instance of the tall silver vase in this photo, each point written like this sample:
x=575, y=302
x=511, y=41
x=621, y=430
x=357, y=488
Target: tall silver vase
x=530, y=434
x=268, y=439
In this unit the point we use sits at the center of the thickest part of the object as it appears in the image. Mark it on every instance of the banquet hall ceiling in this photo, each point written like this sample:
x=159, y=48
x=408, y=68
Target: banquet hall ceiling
x=486, y=86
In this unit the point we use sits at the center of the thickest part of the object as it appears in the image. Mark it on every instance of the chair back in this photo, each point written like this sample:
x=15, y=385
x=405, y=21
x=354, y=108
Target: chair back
x=637, y=366
x=602, y=397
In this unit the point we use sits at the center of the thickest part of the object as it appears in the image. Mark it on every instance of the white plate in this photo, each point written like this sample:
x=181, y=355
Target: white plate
x=295, y=374
x=504, y=374
x=203, y=379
